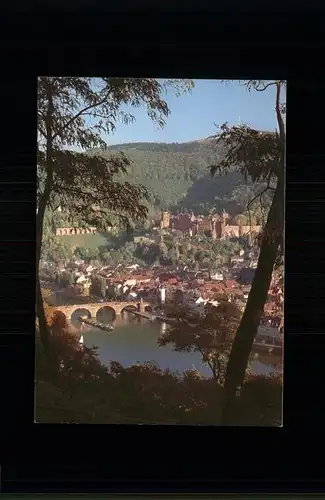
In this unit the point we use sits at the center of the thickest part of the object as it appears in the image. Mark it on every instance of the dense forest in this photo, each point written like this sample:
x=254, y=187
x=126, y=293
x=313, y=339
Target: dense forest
x=177, y=176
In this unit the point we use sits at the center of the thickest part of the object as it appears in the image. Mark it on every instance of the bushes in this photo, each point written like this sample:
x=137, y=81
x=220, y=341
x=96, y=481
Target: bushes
x=85, y=391
x=262, y=400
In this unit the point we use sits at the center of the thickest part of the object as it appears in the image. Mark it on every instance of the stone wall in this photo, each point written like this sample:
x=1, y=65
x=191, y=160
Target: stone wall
x=63, y=231
x=249, y=229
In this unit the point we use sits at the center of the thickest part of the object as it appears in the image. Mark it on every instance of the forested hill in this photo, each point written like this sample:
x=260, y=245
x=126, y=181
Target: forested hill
x=177, y=175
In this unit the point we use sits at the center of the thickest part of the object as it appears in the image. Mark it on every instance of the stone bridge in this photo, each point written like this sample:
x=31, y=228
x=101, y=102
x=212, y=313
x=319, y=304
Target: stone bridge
x=116, y=308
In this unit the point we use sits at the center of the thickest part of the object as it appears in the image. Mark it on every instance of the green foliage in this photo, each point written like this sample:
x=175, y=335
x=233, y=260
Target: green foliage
x=84, y=391
x=180, y=249
x=54, y=249
x=91, y=241
x=87, y=254
x=175, y=248
x=176, y=176
x=211, y=335
x=259, y=156
x=241, y=220
x=61, y=248
x=74, y=113
x=255, y=154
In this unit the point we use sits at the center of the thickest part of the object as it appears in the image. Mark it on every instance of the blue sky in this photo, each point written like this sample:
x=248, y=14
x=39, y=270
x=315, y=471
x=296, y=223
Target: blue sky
x=193, y=115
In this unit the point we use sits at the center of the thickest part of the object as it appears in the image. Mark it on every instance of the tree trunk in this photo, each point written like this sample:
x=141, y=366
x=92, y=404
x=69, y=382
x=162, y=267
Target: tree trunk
x=43, y=201
x=272, y=239
x=44, y=332
x=250, y=321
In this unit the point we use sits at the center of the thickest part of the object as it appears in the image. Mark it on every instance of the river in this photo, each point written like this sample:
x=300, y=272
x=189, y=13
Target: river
x=134, y=340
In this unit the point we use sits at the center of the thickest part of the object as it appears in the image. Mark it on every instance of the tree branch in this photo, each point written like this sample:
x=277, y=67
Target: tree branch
x=265, y=86
x=54, y=208
x=81, y=112
x=213, y=369
x=259, y=195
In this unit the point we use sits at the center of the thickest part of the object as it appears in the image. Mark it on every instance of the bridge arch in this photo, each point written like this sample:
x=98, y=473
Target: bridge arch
x=148, y=309
x=106, y=314
x=129, y=306
x=80, y=311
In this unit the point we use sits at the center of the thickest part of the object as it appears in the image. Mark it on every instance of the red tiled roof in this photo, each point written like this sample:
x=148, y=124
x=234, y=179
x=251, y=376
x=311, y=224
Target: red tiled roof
x=139, y=277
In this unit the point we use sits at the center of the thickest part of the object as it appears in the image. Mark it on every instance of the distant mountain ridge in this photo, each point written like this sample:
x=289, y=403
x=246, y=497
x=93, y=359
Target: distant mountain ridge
x=177, y=175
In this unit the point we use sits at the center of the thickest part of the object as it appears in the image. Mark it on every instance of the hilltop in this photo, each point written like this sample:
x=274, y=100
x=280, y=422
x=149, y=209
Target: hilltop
x=177, y=176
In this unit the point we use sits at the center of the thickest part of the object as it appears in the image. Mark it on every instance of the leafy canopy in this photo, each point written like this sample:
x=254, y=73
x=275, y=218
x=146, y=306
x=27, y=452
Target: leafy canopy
x=211, y=335
x=255, y=154
x=259, y=156
x=75, y=114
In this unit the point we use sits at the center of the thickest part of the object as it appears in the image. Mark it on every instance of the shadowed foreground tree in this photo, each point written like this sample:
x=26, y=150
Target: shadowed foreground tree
x=261, y=157
x=75, y=113
x=210, y=335
x=84, y=391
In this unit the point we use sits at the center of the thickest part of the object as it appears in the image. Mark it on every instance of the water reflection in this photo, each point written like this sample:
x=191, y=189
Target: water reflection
x=134, y=340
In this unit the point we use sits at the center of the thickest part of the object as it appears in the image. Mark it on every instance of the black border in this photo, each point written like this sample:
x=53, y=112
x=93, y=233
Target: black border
x=125, y=458
x=19, y=6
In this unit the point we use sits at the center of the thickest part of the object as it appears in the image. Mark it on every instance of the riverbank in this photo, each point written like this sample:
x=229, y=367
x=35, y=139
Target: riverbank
x=84, y=391
x=90, y=386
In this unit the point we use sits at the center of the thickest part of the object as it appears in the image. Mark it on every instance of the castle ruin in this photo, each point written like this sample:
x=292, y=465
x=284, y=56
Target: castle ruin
x=65, y=231
x=219, y=226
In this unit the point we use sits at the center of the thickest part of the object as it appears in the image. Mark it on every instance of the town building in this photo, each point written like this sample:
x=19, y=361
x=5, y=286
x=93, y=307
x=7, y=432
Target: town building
x=219, y=226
